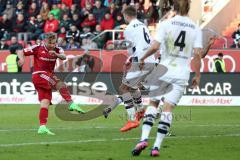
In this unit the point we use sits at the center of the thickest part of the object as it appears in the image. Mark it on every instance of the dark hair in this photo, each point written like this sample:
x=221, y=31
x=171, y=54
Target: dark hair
x=13, y=50
x=182, y=6
x=130, y=11
x=220, y=54
x=108, y=12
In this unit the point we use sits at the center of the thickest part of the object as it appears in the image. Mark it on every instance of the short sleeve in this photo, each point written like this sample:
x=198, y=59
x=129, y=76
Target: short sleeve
x=32, y=50
x=160, y=33
x=198, y=40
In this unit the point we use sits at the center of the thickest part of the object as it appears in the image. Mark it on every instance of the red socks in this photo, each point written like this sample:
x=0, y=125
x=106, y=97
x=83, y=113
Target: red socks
x=43, y=115
x=65, y=94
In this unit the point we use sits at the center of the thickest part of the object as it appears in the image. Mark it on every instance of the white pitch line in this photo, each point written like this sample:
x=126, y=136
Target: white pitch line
x=53, y=142
x=116, y=127
x=68, y=128
x=183, y=137
x=208, y=125
x=107, y=140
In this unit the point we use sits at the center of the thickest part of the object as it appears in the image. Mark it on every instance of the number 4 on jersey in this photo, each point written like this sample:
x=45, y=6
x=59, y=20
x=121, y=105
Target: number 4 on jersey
x=180, y=41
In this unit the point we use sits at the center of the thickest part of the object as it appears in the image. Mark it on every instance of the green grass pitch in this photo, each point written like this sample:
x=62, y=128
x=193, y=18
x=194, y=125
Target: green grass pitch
x=201, y=133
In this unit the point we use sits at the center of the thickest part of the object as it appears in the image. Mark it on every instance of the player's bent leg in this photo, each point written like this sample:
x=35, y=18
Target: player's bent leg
x=160, y=107
x=63, y=90
x=163, y=127
x=148, y=122
x=43, y=115
x=129, y=106
x=137, y=97
x=111, y=107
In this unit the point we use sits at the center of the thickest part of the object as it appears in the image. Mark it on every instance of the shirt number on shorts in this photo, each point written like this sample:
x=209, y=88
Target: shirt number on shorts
x=180, y=41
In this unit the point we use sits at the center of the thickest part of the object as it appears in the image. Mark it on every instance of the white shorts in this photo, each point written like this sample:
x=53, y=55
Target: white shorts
x=162, y=87
x=134, y=76
x=173, y=96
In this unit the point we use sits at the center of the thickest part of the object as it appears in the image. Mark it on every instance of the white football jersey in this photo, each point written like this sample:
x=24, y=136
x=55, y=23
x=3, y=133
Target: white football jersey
x=138, y=34
x=178, y=37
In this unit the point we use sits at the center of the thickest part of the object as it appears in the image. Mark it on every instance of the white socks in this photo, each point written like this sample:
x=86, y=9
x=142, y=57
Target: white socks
x=163, y=128
x=129, y=105
x=137, y=97
x=148, y=121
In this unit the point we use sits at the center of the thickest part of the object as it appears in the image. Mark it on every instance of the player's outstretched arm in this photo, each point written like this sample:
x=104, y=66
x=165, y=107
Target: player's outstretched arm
x=197, y=66
x=61, y=54
x=153, y=49
x=210, y=43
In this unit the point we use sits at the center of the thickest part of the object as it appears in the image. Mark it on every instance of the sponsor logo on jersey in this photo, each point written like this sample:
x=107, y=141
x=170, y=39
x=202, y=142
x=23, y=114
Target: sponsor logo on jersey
x=47, y=59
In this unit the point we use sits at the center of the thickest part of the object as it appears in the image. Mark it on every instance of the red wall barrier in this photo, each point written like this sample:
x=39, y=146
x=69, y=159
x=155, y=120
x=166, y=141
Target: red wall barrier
x=231, y=58
x=112, y=61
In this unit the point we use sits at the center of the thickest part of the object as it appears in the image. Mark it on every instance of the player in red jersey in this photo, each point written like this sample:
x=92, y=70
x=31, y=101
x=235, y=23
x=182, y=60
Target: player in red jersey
x=44, y=80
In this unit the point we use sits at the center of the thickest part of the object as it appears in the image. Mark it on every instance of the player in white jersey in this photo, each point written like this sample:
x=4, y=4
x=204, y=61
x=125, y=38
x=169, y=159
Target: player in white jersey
x=137, y=34
x=177, y=38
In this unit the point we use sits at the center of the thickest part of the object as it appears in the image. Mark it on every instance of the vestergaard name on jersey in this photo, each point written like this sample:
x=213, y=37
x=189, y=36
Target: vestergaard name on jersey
x=183, y=24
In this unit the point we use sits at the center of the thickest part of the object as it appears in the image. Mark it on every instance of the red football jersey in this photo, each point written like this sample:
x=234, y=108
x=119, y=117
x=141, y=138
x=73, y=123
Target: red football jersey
x=43, y=61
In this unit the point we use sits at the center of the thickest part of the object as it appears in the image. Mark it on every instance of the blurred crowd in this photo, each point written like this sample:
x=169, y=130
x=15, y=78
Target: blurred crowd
x=24, y=22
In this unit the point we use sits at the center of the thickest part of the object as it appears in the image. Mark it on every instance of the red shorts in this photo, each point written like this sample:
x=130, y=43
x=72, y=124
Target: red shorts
x=44, y=83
